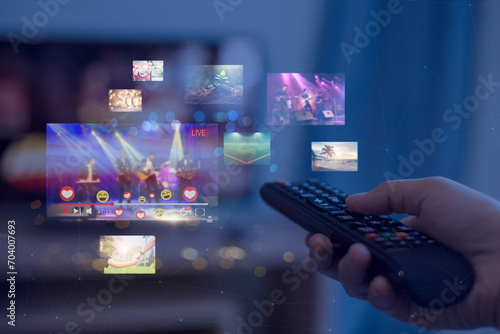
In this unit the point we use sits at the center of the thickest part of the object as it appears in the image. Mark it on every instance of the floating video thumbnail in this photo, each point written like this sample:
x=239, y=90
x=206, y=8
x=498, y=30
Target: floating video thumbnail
x=162, y=172
x=214, y=84
x=129, y=254
x=247, y=148
x=306, y=98
x=334, y=156
x=147, y=70
x=125, y=100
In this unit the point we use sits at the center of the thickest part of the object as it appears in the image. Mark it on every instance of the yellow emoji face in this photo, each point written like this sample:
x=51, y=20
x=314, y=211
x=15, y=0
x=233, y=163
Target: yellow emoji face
x=166, y=194
x=159, y=213
x=102, y=196
x=142, y=199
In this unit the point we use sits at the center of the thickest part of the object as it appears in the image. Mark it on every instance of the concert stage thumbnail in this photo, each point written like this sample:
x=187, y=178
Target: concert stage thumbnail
x=126, y=254
x=334, y=156
x=125, y=100
x=214, y=84
x=306, y=99
x=147, y=70
x=247, y=148
x=162, y=172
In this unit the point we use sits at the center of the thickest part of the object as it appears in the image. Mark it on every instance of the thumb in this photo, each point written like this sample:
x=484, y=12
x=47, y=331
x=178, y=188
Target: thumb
x=397, y=196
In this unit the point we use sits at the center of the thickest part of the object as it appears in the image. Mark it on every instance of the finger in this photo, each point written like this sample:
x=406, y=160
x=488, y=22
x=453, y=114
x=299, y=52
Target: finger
x=308, y=237
x=409, y=221
x=321, y=249
x=352, y=271
x=401, y=196
x=382, y=297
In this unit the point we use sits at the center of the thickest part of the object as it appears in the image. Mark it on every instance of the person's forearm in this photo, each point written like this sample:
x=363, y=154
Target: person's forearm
x=120, y=264
x=148, y=245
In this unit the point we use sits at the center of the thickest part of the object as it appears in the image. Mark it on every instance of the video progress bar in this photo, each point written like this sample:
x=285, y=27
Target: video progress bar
x=131, y=204
x=167, y=204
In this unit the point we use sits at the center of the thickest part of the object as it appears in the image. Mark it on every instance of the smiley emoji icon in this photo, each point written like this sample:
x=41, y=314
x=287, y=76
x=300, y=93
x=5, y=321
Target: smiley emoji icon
x=102, y=196
x=159, y=213
x=166, y=194
x=142, y=199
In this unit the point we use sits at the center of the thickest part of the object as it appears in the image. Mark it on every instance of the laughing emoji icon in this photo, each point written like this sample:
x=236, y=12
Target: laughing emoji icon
x=102, y=196
x=142, y=199
x=159, y=213
x=166, y=194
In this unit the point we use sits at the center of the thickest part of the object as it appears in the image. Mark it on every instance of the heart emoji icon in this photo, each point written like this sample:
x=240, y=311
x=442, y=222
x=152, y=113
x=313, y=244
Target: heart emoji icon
x=189, y=194
x=118, y=212
x=127, y=195
x=152, y=195
x=67, y=194
x=140, y=215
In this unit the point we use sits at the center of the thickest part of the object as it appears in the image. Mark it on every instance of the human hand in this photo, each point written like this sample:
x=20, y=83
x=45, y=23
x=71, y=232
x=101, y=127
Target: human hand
x=459, y=217
x=134, y=261
x=137, y=256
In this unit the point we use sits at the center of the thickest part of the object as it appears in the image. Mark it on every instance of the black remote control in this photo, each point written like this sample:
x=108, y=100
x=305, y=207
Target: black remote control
x=424, y=270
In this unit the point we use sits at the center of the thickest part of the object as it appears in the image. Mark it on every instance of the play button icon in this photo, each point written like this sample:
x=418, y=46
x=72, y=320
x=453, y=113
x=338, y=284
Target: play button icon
x=65, y=211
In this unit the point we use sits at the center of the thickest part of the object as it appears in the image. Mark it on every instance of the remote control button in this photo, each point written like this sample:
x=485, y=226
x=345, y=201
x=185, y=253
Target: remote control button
x=299, y=191
x=334, y=200
x=354, y=224
x=382, y=218
x=307, y=195
x=345, y=218
x=361, y=217
x=430, y=241
x=386, y=235
x=373, y=236
x=415, y=234
x=366, y=230
x=282, y=182
x=317, y=201
x=335, y=213
x=384, y=229
x=403, y=229
x=424, y=237
x=322, y=205
x=403, y=244
x=395, y=239
x=326, y=207
x=334, y=210
x=417, y=243
x=410, y=239
x=392, y=223
x=388, y=244
x=380, y=239
x=401, y=234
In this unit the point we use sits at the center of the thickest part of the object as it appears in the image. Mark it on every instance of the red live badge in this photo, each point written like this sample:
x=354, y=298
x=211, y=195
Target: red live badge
x=198, y=132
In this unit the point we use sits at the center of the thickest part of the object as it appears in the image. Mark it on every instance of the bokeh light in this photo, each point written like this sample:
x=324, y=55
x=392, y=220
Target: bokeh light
x=260, y=271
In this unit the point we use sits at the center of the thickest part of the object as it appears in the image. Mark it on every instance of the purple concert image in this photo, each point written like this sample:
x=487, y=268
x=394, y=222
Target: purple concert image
x=306, y=98
x=151, y=171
